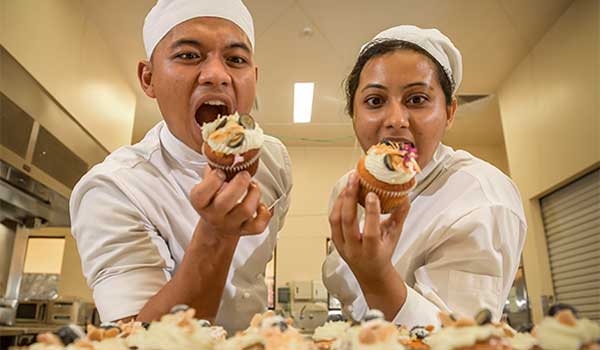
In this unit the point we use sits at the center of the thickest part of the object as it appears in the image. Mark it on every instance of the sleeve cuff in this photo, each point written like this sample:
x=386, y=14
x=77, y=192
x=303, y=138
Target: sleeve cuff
x=417, y=311
x=125, y=294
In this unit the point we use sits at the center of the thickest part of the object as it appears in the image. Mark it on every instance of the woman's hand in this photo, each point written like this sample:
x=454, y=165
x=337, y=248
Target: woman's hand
x=369, y=253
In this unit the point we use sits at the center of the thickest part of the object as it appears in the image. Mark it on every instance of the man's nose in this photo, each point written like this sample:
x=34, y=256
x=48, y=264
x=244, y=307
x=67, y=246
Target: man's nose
x=214, y=72
x=398, y=115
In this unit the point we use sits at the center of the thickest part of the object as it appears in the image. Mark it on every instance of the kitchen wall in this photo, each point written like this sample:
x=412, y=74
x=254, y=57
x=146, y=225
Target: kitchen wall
x=493, y=154
x=63, y=50
x=550, y=108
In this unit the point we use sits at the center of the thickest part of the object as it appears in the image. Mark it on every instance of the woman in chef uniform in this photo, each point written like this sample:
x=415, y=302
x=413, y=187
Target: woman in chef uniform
x=455, y=243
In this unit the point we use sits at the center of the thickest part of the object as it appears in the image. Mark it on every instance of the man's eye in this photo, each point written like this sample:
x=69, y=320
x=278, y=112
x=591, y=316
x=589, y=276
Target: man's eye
x=188, y=56
x=374, y=101
x=237, y=60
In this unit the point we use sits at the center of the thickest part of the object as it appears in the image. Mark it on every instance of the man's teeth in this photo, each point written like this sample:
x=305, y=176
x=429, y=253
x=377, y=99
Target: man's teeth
x=214, y=103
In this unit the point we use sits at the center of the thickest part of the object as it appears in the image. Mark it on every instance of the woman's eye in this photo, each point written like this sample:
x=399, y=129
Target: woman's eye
x=417, y=100
x=374, y=101
x=188, y=56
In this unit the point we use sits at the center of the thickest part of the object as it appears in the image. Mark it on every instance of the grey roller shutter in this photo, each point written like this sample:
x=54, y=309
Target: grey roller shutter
x=571, y=218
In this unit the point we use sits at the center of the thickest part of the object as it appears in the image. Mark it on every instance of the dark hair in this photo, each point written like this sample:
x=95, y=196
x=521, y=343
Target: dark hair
x=381, y=47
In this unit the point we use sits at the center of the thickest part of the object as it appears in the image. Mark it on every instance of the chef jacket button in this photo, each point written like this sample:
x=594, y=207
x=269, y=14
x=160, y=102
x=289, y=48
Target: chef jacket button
x=246, y=295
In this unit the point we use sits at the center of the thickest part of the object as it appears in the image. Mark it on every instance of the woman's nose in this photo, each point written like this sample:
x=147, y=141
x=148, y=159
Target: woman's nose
x=398, y=116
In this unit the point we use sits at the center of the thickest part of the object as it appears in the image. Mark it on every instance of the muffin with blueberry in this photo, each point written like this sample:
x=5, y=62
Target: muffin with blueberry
x=333, y=329
x=479, y=333
x=562, y=330
x=267, y=332
x=373, y=333
x=415, y=339
x=178, y=330
x=232, y=143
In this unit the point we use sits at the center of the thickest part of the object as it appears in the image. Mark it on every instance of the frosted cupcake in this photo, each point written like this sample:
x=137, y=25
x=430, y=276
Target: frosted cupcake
x=388, y=169
x=415, y=338
x=326, y=334
x=564, y=331
x=523, y=341
x=469, y=334
x=232, y=143
x=178, y=330
x=373, y=333
x=267, y=332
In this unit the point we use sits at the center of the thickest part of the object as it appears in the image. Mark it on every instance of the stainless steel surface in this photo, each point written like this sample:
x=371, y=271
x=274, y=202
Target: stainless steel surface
x=31, y=312
x=29, y=328
x=7, y=239
x=69, y=311
x=16, y=264
x=35, y=131
x=23, y=199
x=8, y=309
x=26, y=93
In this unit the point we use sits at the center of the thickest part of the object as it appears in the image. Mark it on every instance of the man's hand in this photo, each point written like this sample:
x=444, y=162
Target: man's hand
x=221, y=210
x=227, y=212
x=369, y=253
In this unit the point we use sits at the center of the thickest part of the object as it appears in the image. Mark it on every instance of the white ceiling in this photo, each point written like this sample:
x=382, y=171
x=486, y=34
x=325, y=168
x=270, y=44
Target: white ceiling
x=493, y=36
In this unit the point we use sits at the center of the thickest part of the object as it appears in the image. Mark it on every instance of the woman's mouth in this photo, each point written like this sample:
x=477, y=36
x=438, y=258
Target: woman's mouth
x=398, y=140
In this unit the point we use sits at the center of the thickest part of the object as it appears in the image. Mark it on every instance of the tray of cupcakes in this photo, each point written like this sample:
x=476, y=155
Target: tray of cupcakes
x=560, y=330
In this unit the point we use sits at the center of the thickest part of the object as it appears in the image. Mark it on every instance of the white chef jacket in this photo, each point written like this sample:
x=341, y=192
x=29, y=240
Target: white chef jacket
x=132, y=219
x=460, y=246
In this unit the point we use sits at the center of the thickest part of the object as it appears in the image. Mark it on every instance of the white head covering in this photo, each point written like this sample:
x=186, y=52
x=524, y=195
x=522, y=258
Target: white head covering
x=166, y=14
x=433, y=41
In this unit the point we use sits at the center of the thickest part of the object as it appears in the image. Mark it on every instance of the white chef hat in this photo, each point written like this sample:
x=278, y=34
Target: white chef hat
x=166, y=14
x=434, y=42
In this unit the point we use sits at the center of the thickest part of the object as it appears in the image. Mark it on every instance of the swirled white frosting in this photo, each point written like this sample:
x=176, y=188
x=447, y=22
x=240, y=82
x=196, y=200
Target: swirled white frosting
x=554, y=335
x=522, y=341
x=105, y=344
x=170, y=334
x=449, y=338
x=330, y=330
x=351, y=339
x=217, y=139
x=267, y=338
x=374, y=162
x=42, y=346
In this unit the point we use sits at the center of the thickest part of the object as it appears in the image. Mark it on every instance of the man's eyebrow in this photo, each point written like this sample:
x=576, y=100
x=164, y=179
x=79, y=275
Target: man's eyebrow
x=239, y=45
x=182, y=42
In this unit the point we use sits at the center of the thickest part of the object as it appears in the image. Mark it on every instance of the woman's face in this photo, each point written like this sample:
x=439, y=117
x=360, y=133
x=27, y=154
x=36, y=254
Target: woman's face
x=399, y=98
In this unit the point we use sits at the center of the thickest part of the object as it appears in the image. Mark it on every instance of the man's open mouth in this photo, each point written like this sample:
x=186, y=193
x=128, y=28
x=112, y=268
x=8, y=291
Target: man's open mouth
x=210, y=110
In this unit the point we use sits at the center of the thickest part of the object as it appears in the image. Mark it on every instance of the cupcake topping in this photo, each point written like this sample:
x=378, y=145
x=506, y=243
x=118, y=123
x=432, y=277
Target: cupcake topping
x=233, y=134
x=483, y=317
x=419, y=332
x=391, y=162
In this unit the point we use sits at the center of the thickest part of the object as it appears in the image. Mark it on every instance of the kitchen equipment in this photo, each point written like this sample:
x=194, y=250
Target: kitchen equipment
x=8, y=310
x=70, y=311
x=31, y=311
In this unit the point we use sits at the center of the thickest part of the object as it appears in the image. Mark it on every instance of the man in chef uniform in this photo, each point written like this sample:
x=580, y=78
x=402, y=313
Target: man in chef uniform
x=155, y=227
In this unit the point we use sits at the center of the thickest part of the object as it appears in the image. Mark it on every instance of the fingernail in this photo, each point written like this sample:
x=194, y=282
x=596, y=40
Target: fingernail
x=352, y=178
x=221, y=174
x=371, y=197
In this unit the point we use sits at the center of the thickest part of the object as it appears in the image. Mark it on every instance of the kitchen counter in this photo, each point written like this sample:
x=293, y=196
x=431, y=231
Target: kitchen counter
x=27, y=329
